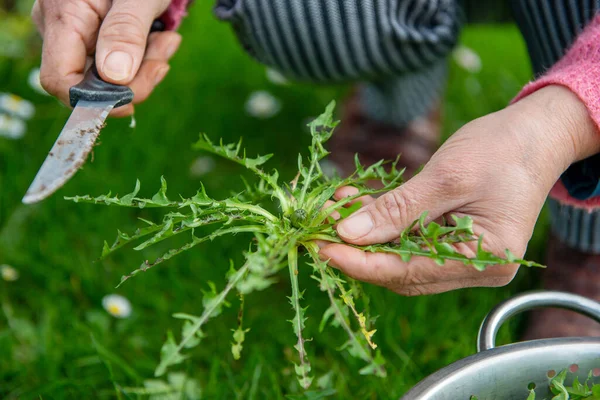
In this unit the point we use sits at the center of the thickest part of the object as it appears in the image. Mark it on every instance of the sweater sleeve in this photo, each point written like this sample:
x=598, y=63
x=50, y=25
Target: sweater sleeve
x=175, y=14
x=579, y=71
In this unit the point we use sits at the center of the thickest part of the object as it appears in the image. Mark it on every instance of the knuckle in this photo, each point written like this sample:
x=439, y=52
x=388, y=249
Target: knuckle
x=78, y=15
x=394, y=208
x=124, y=27
x=404, y=281
x=376, y=274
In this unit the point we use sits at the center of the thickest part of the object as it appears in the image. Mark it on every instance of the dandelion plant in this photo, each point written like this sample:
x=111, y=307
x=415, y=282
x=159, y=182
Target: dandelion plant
x=276, y=238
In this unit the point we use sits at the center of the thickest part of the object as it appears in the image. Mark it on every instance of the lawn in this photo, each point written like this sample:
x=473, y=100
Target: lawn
x=56, y=340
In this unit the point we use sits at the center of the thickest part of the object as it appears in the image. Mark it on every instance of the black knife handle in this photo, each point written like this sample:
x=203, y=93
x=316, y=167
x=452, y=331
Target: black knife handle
x=93, y=88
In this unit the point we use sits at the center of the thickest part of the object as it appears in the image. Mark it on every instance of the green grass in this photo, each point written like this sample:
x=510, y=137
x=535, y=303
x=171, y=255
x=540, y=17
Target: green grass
x=50, y=315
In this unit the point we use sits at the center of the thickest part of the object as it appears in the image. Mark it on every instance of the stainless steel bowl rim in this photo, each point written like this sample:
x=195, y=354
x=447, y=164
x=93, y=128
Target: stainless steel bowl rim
x=489, y=358
x=504, y=372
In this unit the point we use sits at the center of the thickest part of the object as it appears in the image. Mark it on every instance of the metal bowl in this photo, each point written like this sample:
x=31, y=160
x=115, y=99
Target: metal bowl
x=507, y=372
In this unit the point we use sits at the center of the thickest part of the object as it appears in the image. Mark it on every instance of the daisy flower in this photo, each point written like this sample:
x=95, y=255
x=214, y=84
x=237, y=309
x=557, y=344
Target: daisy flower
x=202, y=166
x=12, y=128
x=8, y=273
x=117, y=305
x=17, y=106
x=468, y=59
x=262, y=105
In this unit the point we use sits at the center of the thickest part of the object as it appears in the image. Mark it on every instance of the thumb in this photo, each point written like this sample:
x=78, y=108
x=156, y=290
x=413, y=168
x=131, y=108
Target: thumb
x=384, y=220
x=123, y=36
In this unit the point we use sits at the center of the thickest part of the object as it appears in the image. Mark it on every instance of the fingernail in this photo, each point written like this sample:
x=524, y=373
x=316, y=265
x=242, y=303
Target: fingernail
x=118, y=66
x=160, y=75
x=323, y=256
x=356, y=226
x=172, y=49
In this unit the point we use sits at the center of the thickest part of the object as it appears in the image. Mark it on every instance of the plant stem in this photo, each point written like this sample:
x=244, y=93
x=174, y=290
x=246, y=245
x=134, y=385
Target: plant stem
x=235, y=278
x=298, y=321
x=307, y=182
x=252, y=208
x=313, y=251
x=320, y=236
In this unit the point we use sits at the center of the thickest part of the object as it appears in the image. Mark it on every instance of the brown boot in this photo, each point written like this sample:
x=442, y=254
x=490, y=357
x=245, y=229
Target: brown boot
x=374, y=141
x=572, y=271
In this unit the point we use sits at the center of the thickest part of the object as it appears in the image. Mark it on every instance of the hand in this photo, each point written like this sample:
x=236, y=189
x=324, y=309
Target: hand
x=117, y=31
x=497, y=169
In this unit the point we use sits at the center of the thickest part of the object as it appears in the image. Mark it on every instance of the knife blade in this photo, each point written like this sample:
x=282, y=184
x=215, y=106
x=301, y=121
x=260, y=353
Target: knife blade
x=70, y=149
x=92, y=99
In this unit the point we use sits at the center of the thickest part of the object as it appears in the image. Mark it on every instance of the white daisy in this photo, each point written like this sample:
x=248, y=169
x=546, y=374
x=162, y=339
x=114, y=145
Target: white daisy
x=276, y=77
x=262, y=105
x=34, y=81
x=9, y=274
x=12, y=128
x=15, y=105
x=202, y=166
x=133, y=122
x=468, y=59
x=117, y=305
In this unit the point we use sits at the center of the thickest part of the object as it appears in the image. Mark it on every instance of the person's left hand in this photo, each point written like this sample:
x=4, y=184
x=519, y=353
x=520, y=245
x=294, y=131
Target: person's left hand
x=497, y=169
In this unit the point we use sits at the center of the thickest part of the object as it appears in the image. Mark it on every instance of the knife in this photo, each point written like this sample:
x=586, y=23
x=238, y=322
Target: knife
x=93, y=99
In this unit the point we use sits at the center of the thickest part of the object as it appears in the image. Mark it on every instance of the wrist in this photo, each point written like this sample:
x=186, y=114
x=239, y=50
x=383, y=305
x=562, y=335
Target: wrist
x=561, y=128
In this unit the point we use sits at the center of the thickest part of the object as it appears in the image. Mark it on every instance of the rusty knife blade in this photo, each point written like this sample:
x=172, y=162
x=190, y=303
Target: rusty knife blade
x=70, y=150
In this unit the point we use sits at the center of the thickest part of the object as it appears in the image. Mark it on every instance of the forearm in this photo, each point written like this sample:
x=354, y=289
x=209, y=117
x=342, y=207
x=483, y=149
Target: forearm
x=579, y=72
x=548, y=130
x=563, y=123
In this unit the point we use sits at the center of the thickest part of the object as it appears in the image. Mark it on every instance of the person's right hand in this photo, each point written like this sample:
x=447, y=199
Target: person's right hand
x=116, y=31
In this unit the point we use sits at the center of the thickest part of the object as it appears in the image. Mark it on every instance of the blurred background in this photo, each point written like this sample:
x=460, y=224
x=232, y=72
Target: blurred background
x=58, y=338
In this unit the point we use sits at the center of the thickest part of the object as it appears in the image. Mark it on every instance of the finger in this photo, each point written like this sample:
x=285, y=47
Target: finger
x=123, y=36
x=122, y=112
x=335, y=215
x=419, y=276
x=377, y=268
x=161, y=47
x=349, y=191
x=383, y=220
x=69, y=36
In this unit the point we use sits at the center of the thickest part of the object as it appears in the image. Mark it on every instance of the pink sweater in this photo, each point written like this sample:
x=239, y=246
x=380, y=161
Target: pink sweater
x=579, y=71
x=175, y=14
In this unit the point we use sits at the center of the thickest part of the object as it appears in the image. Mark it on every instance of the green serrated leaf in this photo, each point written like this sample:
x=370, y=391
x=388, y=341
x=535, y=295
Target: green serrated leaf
x=160, y=198
x=127, y=200
x=169, y=356
x=283, y=218
x=348, y=211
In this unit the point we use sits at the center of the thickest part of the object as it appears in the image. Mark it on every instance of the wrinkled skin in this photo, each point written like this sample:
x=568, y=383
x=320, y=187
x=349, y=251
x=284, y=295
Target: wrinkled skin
x=497, y=169
x=116, y=31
